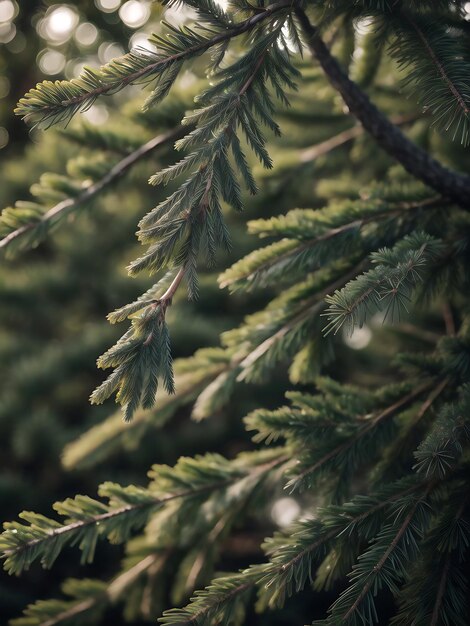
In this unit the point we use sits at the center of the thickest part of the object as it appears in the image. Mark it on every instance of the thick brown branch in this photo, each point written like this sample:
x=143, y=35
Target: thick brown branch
x=414, y=159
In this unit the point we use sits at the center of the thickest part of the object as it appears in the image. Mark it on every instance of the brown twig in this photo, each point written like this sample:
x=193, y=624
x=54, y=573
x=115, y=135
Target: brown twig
x=324, y=147
x=70, y=204
x=448, y=319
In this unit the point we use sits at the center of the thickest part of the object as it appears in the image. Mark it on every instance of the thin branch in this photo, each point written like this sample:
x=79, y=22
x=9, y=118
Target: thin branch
x=116, y=587
x=386, y=413
x=279, y=569
x=162, y=64
x=449, y=320
x=194, y=619
x=399, y=208
x=250, y=80
x=309, y=243
x=167, y=298
x=311, y=306
x=387, y=553
x=445, y=573
x=70, y=204
x=170, y=292
x=414, y=159
x=334, y=533
x=104, y=517
x=324, y=147
x=440, y=68
x=77, y=609
x=310, y=154
x=418, y=333
x=440, y=592
x=346, y=312
x=427, y=404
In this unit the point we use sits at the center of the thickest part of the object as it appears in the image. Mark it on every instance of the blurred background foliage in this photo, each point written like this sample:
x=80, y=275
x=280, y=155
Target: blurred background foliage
x=54, y=300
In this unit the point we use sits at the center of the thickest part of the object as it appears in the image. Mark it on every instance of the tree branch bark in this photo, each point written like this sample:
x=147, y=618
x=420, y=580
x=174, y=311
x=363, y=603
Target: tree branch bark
x=414, y=159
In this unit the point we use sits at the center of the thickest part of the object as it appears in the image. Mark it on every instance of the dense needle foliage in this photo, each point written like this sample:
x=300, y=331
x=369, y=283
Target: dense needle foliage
x=369, y=230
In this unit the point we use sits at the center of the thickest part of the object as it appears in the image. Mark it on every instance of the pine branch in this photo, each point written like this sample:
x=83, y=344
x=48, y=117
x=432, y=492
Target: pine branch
x=435, y=590
x=414, y=159
x=275, y=262
x=128, y=508
x=50, y=103
x=294, y=554
x=309, y=308
x=191, y=218
x=304, y=477
x=439, y=452
x=39, y=227
x=292, y=557
x=45, y=538
x=218, y=601
x=392, y=281
x=54, y=612
x=438, y=62
x=442, y=71
x=397, y=538
x=440, y=592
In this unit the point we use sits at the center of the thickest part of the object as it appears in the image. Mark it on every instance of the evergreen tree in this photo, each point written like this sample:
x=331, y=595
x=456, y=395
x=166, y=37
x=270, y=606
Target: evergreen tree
x=367, y=210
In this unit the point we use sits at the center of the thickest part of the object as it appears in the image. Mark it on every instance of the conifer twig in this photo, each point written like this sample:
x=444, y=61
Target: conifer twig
x=380, y=564
x=249, y=578
x=115, y=588
x=444, y=576
x=371, y=423
x=439, y=67
x=167, y=297
x=311, y=306
x=76, y=526
x=414, y=159
x=448, y=319
x=70, y=204
x=334, y=533
x=95, y=520
x=80, y=100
